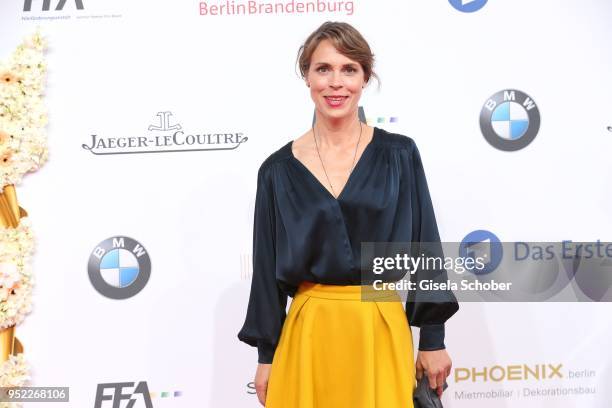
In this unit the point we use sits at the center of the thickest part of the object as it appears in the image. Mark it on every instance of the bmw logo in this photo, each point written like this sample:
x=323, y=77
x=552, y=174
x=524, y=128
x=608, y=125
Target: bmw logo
x=119, y=267
x=510, y=120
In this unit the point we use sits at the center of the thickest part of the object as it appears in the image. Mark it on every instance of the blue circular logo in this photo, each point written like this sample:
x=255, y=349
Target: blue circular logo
x=510, y=120
x=119, y=268
x=468, y=6
x=485, y=245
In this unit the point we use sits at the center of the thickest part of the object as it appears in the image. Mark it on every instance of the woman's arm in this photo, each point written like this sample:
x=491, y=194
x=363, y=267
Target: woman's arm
x=267, y=302
x=428, y=310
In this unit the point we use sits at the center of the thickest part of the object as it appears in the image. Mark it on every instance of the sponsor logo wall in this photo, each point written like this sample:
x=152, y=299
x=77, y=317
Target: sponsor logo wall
x=143, y=260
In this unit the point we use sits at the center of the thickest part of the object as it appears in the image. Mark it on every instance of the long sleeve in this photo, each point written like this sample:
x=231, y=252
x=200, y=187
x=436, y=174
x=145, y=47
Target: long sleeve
x=267, y=302
x=428, y=310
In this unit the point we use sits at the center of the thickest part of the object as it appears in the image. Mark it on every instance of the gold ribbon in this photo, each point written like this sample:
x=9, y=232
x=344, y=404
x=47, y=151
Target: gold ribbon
x=9, y=343
x=10, y=214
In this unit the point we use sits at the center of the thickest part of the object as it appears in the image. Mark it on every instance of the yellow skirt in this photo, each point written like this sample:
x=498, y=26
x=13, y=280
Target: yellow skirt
x=336, y=350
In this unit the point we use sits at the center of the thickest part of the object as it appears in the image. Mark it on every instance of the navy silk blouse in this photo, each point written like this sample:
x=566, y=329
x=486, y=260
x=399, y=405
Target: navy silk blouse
x=302, y=232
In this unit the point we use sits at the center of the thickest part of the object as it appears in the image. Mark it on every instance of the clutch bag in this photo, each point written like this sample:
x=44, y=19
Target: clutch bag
x=426, y=397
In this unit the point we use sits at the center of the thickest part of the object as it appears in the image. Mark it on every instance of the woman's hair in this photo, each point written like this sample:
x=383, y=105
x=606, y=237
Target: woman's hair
x=346, y=39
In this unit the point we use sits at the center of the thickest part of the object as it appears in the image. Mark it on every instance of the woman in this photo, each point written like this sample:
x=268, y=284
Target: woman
x=318, y=198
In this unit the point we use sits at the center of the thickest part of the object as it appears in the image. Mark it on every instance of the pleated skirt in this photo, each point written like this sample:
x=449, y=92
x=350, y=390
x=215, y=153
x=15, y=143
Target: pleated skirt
x=337, y=350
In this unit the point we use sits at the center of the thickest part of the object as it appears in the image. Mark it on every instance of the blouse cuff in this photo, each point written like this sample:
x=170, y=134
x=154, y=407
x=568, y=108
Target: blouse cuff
x=265, y=353
x=431, y=337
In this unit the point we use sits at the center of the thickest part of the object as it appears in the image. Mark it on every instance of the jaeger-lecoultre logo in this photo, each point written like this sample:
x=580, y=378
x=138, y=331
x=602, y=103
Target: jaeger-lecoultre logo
x=163, y=137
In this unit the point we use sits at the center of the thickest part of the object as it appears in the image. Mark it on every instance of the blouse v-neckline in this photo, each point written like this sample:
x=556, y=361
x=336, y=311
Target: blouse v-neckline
x=352, y=175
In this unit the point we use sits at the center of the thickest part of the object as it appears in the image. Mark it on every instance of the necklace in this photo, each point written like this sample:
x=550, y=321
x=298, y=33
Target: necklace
x=354, y=156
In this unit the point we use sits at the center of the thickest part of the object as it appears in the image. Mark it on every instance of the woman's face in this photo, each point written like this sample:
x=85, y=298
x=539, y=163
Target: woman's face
x=336, y=81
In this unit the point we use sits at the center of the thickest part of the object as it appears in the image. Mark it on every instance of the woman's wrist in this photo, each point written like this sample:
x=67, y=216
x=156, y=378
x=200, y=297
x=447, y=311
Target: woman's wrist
x=431, y=337
x=265, y=352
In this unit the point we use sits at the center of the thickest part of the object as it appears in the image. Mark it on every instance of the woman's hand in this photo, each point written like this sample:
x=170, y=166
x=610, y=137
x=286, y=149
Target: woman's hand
x=437, y=364
x=261, y=381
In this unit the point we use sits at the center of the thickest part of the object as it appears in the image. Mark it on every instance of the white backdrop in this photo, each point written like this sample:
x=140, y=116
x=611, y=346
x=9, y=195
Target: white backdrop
x=113, y=66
